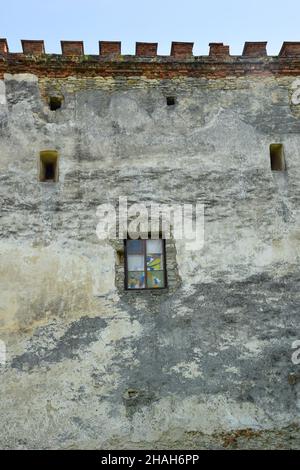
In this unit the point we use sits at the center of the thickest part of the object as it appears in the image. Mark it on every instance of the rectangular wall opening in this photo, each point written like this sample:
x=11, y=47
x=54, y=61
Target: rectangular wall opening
x=49, y=166
x=171, y=100
x=277, y=157
x=55, y=102
x=145, y=264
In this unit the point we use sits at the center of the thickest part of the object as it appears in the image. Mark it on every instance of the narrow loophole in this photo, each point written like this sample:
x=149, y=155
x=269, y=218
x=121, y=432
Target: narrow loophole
x=277, y=157
x=49, y=166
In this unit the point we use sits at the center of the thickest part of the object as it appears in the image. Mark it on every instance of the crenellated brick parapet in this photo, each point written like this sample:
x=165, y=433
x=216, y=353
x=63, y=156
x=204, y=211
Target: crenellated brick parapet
x=146, y=62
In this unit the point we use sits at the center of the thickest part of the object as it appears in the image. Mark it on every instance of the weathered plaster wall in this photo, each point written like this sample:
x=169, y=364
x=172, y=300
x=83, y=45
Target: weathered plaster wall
x=92, y=366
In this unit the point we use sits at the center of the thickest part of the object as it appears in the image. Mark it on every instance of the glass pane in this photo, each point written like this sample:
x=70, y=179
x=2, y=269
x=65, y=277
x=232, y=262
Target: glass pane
x=136, y=263
x=155, y=279
x=135, y=246
x=136, y=280
x=154, y=246
x=154, y=262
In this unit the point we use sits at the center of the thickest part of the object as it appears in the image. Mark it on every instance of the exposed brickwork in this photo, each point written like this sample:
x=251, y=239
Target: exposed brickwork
x=3, y=46
x=33, y=47
x=109, y=48
x=70, y=48
x=290, y=49
x=217, y=49
x=146, y=49
x=182, y=49
x=255, y=49
x=181, y=63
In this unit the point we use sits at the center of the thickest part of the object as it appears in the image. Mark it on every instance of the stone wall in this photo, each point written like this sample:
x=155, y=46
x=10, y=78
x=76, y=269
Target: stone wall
x=206, y=363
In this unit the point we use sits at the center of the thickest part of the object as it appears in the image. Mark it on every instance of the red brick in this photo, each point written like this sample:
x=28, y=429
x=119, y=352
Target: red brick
x=146, y=49
x=109, y=48
x=290, y=49
x=288, y=64
x=70, y=48
x=33, y=47
x=255, y=49
x=217, y=49
x=182, y=49
x=3, y=46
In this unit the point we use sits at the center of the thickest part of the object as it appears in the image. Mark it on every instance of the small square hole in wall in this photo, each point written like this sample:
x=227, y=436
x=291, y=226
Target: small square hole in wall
x=277, y=157
x=170, y=100
x=55, y=102
x=49, y=166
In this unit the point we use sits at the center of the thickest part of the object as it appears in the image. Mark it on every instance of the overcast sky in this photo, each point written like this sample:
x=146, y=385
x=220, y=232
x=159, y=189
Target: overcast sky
x=230, y=21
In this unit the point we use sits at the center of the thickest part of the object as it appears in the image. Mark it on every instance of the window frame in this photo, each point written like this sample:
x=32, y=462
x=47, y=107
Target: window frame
x=164, y=270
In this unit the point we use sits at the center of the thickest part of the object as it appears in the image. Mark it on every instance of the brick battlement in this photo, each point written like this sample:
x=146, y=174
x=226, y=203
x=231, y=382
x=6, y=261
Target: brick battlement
x=181, y=62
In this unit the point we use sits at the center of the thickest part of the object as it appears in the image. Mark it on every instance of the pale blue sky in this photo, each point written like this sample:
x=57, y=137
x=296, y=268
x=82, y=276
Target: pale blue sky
x=230, y=21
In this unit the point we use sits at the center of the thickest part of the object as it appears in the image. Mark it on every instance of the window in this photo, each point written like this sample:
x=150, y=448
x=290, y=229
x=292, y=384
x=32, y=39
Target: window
x=170, y=100
x=55, y=102
x=145, y=264
x=277, y=157
x=48, y=166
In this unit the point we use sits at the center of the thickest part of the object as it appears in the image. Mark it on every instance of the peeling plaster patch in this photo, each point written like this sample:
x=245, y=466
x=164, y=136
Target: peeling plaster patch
x=119, y=329
x=295, y=100
x=21, y=77
x=65, y=280
x=2, y=93
x=224, y=348
x=254, y=346
x=227, y=340
x=127, y=114
x=102, y=271
x=182, y=311
x=231, y=370
x=198, y=352
x=188, y=370
x=196, y=413
x=104, y=351
x=79, y=334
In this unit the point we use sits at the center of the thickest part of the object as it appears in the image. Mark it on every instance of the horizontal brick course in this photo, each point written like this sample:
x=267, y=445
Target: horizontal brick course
x=156, y=68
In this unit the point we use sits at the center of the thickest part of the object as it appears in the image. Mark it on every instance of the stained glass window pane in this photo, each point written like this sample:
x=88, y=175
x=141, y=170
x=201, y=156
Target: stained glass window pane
x=145, y=264
x=134, y=246
x=136, y=280
x=154, y=246
x=136, y=263
x=154, y=262
x=155, y=279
